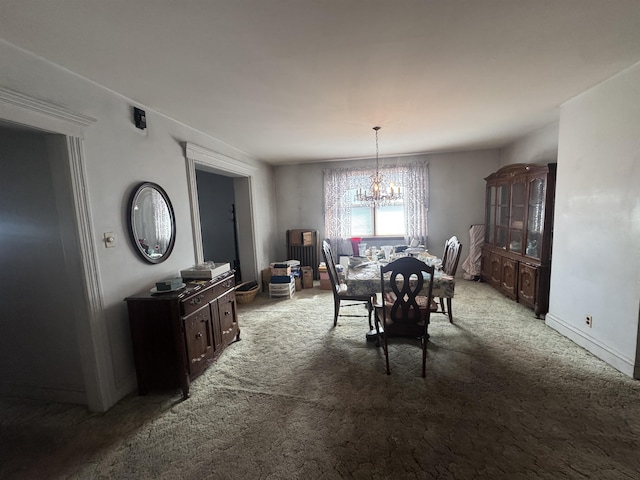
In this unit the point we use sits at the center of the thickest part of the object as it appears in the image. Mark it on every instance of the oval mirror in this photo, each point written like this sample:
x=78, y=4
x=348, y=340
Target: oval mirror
x=151, y=222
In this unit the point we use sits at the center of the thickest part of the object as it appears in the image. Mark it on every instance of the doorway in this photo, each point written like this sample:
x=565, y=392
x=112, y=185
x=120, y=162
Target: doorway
x=63, y=168
x=40, y=356
x=240, y=210
x=216, y=201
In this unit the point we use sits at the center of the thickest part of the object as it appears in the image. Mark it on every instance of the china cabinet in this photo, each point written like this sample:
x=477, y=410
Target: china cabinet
x=516, y=255
x=177, y=335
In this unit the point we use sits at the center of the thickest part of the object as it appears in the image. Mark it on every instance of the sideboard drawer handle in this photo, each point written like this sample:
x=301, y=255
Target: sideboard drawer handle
x=196, y=300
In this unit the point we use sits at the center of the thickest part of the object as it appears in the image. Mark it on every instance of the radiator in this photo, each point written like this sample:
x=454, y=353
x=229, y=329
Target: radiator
x=306, y=254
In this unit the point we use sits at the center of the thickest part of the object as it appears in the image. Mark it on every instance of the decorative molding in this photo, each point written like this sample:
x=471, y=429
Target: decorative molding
x=100, y=394
x=195, y=210
x=20, y=108
x=217, y=160
x=203, y=156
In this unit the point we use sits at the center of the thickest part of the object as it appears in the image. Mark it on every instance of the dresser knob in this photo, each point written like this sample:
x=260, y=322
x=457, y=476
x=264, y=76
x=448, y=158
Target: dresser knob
x=198, y=335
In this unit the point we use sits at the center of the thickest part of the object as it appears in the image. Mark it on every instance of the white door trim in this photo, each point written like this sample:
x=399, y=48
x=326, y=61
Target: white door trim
x=19, y=108
x=220, y=163
x=22, y=109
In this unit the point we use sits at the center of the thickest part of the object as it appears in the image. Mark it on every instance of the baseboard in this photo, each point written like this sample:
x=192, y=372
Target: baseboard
x=43, y=393
x=614, y=358
x=125, y=386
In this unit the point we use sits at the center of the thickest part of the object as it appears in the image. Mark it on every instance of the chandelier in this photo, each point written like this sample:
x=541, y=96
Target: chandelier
x=376, y=195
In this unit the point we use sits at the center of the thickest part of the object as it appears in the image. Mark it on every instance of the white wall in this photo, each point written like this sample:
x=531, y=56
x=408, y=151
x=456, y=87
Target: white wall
x=456, y=195
x=118, y=156
x=540, y=146
x=596, y=261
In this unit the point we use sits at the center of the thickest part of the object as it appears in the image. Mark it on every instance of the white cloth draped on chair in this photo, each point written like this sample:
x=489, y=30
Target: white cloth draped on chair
x=472, y=264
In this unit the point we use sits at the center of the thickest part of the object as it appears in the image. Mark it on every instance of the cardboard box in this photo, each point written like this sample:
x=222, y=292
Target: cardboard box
x=298, y=283
x=325, y=284
x=307, y=277
x=266, y=277
x=300, y=238
x=280, y=271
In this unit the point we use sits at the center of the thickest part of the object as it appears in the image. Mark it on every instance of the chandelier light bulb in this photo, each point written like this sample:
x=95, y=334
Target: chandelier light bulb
x=374, y=196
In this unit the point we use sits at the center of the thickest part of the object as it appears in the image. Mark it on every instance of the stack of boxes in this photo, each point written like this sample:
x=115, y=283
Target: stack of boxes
x=325, y=282
x=283, y=283
x=296, y=272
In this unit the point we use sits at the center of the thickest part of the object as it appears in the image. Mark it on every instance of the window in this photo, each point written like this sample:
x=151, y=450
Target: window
x=345, y=217
x=388, y=220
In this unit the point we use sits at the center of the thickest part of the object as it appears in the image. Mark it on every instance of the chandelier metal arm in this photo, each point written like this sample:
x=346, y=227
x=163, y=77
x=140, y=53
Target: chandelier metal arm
x=376, y=196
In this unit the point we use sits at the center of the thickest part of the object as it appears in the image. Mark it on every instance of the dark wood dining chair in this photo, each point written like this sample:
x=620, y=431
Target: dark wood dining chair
x=405, y=309
x=450, y=259
x=341, y=293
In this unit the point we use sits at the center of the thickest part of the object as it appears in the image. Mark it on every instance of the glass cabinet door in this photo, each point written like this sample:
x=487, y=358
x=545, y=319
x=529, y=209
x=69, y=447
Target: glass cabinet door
x=502, y=215
x=516, y=220
x=490, y=215
x=535, y=222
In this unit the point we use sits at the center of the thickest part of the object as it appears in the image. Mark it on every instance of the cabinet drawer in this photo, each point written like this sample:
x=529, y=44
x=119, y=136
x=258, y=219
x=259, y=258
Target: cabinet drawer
x=206, y=295
x=196, y=301
x=222, y=287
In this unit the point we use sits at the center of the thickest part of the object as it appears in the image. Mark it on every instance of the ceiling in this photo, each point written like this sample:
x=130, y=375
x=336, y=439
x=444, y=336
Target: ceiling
x=306, y=80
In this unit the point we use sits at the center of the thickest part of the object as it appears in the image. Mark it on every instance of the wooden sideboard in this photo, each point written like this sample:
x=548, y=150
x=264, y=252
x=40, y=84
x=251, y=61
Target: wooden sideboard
x=516, y=255
x=177, y=335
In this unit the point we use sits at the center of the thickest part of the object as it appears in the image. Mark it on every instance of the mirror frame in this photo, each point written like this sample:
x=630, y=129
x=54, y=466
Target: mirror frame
x=132, y=230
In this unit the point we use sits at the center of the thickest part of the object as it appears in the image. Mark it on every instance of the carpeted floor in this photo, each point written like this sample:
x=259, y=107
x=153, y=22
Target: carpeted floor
x=505, y=398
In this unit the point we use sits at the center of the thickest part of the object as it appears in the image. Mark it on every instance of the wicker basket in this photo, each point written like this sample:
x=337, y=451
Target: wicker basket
x=248, y=295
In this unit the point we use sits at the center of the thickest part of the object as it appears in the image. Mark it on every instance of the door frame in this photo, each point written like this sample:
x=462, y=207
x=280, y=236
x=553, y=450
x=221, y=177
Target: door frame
x=201, y=158
x=92, y=334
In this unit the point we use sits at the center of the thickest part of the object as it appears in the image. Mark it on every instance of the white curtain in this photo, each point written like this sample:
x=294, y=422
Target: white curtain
x=416, y=201
x=337, y=206
x=413, y=179
x=162, y=223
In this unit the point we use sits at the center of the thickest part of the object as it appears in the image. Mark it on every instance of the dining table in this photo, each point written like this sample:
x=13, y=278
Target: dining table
x=364, y=279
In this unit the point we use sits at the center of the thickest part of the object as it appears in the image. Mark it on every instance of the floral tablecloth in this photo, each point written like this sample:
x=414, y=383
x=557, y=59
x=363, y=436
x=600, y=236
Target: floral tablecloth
x=366, y=280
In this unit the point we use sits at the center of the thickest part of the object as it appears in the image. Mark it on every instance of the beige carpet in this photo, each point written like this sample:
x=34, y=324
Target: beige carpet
x=505, y=398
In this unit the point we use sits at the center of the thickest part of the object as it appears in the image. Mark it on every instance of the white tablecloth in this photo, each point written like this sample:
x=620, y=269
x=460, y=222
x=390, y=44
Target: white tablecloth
x=366, y=280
